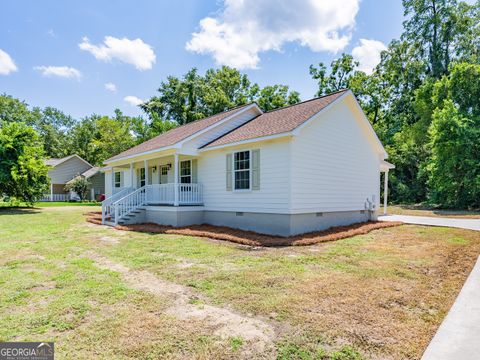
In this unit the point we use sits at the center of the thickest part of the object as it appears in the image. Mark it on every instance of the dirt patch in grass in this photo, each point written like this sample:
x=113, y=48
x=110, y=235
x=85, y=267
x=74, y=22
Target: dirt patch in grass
x=252, y=238
x=188, y=306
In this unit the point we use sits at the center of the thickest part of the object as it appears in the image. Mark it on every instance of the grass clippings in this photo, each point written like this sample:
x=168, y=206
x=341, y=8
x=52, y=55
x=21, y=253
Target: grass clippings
x=252, y=238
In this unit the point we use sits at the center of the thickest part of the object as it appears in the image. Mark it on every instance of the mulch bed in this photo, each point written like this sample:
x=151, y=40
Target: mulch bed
x=252, y=238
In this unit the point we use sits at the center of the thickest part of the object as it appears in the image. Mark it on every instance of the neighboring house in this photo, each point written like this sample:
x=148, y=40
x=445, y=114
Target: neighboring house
x=61, y=171
x=96, y=180
x=300, y=168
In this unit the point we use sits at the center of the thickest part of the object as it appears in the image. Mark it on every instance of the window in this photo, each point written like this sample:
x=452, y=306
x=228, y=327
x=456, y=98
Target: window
x=118, y=179
x=241, y=170
x=186, y=172
x=142, y=177
x=164, y=170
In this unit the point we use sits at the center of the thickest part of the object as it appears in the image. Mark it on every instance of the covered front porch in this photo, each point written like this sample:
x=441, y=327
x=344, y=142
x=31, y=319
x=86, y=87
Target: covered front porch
x=165, y=180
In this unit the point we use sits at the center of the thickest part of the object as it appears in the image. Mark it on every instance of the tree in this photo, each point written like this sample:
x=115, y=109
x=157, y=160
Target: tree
x=54, y=126
x=431, y=24
x=194, y=96
x=79, y=185
x=341, y=71
x=454, y=165
x=23, y=174
x=14, y=110
x=276, y=96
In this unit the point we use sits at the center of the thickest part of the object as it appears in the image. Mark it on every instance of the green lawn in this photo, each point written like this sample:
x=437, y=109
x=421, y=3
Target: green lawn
x=380, y=295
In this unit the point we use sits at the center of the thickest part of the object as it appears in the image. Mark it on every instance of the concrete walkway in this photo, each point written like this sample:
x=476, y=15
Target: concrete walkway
x=472, y=224
x=458, y=337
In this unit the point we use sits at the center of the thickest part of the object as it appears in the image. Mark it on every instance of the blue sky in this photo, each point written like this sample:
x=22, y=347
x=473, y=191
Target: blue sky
x=46, y=60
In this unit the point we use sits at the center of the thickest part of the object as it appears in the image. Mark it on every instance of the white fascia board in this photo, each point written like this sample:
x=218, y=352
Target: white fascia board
x=142, y=154
x=263, y=138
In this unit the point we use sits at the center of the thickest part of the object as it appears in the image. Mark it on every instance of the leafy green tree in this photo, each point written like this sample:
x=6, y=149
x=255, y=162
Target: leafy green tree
x=194, y=96
x=431, y=24
x=341, y=72
x=14, y=110
x=454, y=165
x=79, y=185
x=96, y=138
x=23, y=174
x=54, y=126
x=276, y=96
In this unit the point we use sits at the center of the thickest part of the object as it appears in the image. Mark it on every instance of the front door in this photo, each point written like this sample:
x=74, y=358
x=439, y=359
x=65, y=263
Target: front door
x=164, y=174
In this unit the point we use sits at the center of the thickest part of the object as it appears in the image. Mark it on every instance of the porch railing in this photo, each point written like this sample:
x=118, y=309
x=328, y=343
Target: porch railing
x=107, y=208
x=188, y=194
x=128, y=203
x=124, y=202
x=55, y=197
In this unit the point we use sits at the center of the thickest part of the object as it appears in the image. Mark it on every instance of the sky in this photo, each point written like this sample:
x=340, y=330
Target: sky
x=93, y=56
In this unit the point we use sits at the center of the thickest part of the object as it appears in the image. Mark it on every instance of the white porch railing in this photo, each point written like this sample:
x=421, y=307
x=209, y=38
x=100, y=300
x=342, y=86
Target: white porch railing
x=123, y=203
x=188, y=194
x=107, y=208
x=55, y=197
x=129, y=203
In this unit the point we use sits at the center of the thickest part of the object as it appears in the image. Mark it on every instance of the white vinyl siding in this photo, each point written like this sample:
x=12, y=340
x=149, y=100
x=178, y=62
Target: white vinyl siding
x=273, y=195
x=334, y=165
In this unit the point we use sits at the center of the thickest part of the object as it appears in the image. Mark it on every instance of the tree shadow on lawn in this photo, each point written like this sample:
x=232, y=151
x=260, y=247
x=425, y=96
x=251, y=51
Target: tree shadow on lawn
x=18, y=211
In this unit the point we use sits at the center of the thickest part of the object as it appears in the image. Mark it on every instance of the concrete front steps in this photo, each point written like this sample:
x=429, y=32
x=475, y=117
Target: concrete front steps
x=134, y=217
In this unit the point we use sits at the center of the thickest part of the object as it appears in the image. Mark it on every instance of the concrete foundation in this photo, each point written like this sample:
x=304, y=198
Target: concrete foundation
x=265, y=223
x=174, y=216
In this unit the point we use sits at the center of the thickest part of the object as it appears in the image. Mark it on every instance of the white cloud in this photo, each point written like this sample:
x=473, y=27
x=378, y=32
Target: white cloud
x=368, y=54
x=245, y=28
x=133, y=100
x=133, y=52
x=111, y=87
x=7, y=65
x=60, y=71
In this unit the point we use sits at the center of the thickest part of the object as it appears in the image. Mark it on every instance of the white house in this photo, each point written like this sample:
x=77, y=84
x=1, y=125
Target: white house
x=300, y=168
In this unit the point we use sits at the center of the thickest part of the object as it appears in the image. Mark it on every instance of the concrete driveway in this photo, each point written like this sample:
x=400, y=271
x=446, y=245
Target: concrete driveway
x=458, y=337
x=471, y=224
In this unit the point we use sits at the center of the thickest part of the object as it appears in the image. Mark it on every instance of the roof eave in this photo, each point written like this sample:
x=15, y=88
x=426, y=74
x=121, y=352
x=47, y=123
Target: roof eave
x=179, y=144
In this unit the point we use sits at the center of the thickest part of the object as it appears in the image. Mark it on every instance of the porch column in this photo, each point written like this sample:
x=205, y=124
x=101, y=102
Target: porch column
x=51, y=192
x=175, y=181
x=145, y=165
x=385, y=192
x=131, y=175
x=113, y=180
